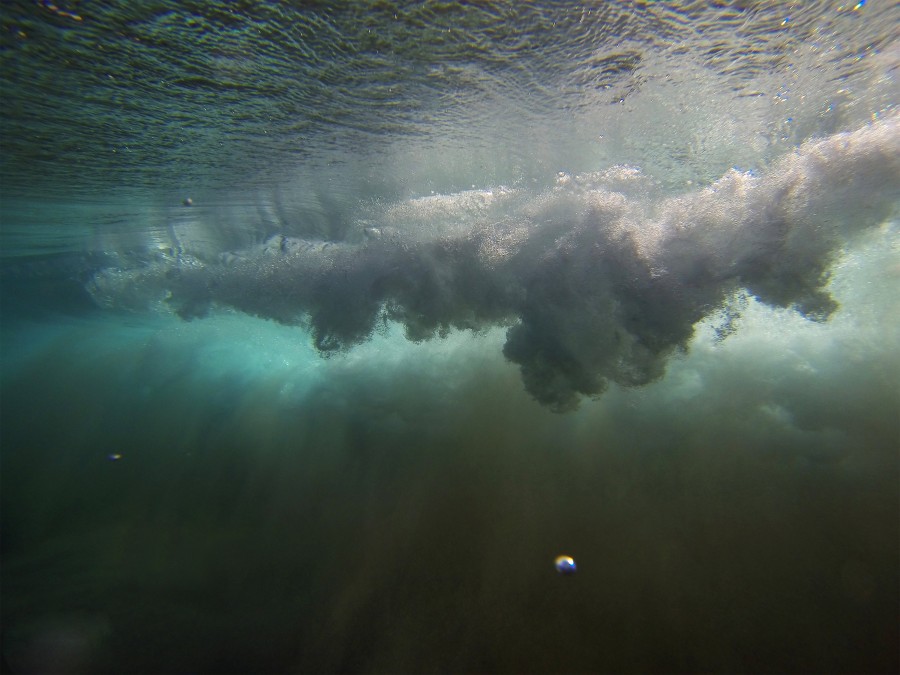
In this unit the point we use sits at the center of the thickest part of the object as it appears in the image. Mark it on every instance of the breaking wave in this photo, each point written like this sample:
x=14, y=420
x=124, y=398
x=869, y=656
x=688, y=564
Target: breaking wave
x=600, y=278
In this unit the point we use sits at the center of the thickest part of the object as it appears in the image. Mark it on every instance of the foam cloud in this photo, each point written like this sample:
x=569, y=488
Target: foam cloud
x=598, y=279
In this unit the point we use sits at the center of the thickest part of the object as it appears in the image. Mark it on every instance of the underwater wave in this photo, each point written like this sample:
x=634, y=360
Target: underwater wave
x=597, y=278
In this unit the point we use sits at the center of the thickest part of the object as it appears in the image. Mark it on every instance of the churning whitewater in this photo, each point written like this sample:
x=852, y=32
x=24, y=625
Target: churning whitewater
x=600, y=279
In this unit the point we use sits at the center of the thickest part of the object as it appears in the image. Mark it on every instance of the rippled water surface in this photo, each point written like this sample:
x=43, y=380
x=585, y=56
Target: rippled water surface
x=327, y=327
x=102, y=99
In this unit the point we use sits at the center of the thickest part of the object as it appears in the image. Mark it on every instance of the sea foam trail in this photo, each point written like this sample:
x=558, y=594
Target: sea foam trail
x=597, y=279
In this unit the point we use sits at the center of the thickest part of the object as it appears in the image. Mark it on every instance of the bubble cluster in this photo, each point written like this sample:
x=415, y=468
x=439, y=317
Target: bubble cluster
x=598, y=278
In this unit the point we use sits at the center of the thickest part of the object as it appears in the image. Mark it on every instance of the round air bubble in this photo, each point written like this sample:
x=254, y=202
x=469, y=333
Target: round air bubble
x=565, y=565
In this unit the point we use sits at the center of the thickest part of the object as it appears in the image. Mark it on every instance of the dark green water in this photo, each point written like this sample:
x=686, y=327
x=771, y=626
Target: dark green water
x=461, y=288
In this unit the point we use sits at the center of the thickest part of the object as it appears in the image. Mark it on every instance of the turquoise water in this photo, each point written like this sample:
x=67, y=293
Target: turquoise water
x=326, y=330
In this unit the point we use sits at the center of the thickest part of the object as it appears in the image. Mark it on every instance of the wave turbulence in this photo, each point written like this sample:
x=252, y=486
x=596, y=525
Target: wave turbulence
x=598, y=278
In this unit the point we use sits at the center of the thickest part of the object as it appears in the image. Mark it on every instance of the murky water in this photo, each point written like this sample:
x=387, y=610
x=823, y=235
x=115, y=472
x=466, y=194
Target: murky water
x=325, y=330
